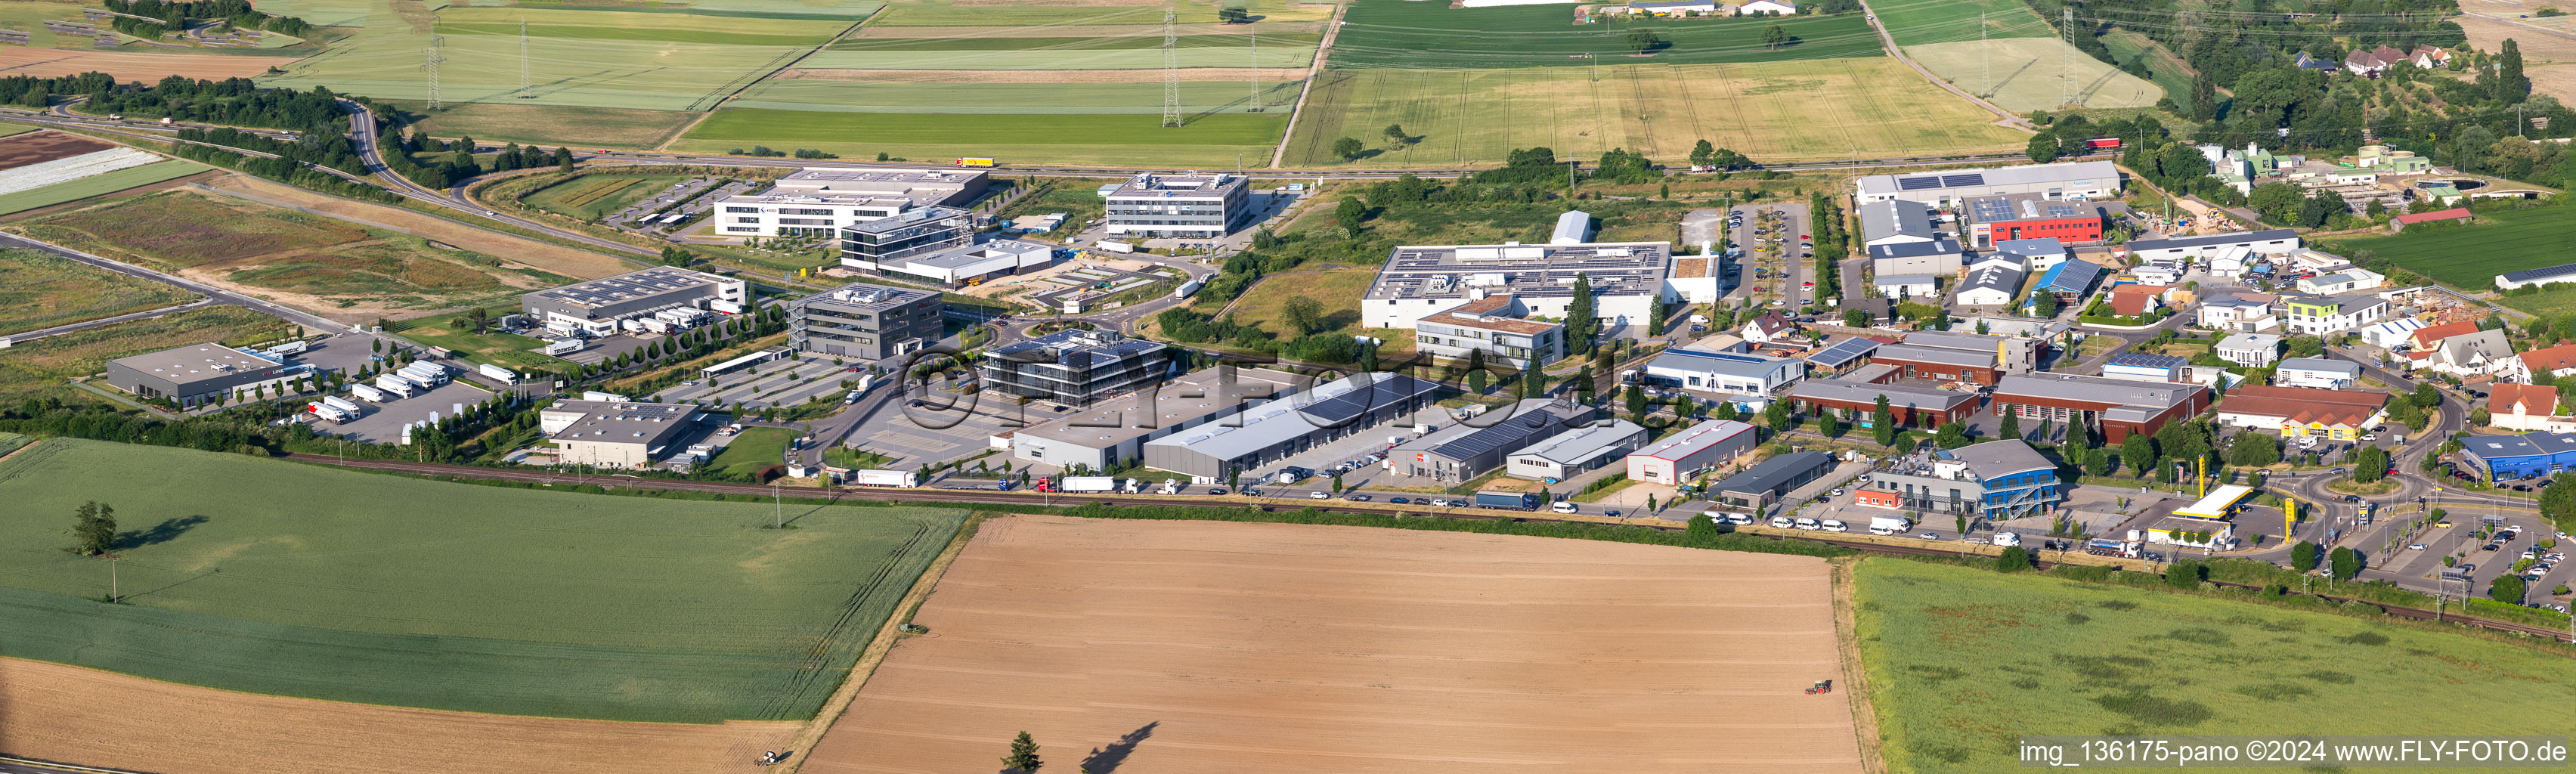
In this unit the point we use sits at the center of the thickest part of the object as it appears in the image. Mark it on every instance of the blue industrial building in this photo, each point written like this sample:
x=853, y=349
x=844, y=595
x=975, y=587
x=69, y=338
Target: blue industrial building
x=2530, y=455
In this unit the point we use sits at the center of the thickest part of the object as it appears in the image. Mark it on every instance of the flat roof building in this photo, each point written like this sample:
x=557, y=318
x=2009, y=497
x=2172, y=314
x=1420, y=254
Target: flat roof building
x=1994, y=481
x=1728, y=372
x=1418, y=281
x=1075, y=367
x=819, y=200
x=865, y=321
x=1759, y=487
x=197, y=373
x=1938, y=257
x=616, y=434
x=1974, y=358
x=2272, y=241
x=1112, y=432
x=1995, y=219
x=2115, y=407
x=1186, y=205
x=1710, y=445
x=1468, y=449
x=597, y=305
x=2530, y=455
x=2317, y=372
x=1576, y=451
x=1274, y=430
x=2140, y=366
x=2069, y=180
x=1498, y=325
x=1896, y=221
x=1912, y=405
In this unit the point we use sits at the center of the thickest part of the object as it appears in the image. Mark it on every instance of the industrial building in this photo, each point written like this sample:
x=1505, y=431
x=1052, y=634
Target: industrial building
x=816, y=201
x=1113, y=432
x=2316, y=372
x=1857, y=399
x=2530, y=455
x=1712, y=445
x=2518, y=279
x=1994, y=285
x=2340, y=415
x=1994, y=219
x=1576, y=451
x=1728, y=372
x=597, y=306
x=2070, y=281
x=2272, y=241
x=1499, y=325
x=2144, y=367
x=2070, y=180
x=865, y=321
x=1759, y=487
x=616, y=434
x=2114, y=407
x=1418, y=281
x=1994, y=481
x=1075, y=367
x=1185, y=206
x=1940, y=257
x=199, y=373
x=1896, y=222
x=1974, y=358
x=1272, y=431
x=1471, y=448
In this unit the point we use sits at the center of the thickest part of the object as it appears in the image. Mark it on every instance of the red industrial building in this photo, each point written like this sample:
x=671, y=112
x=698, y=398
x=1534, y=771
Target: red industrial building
x=2116, y=407
x=1856, y=399
x=1995, y=219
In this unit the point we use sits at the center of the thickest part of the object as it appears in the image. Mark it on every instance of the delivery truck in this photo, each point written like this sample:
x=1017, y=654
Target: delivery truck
x=1085, y=485
x=1518, y=501
x=1889, y=525
x=396, y=385
x=905, y=479
x=343, y=404
x=330, y=412
x=506, y=376
x=368, y=393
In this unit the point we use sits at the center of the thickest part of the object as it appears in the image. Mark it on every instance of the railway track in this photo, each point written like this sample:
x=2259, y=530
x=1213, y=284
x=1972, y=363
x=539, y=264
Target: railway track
x=989, y=497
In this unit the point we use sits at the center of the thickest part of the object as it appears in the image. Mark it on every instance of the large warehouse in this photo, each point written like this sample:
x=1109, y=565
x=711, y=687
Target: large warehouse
x=818, y=200
x=1275, y=430
x=616, y=434
x=1468, y=449
x=597, y=305
x=2070, y=180
x=1420, y=281
x=1114, y=432
x=197, y=373
x=1709, y=445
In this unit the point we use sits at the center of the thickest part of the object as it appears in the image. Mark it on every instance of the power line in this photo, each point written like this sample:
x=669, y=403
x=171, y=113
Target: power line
x=430, y=64
x=1171, y=68
x=523, y=57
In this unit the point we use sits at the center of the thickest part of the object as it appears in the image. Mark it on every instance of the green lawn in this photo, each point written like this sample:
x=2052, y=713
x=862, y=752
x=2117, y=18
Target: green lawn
x=508, y=350
x=572, y=197
x=1130, y=42
x=1135, y=138
x=281, y=578
x=1916, y=22
x=754, y=449
x=1963, y=661
x=96, y=185
x=2470, y=256
x=41, y=291
x=1411, y=34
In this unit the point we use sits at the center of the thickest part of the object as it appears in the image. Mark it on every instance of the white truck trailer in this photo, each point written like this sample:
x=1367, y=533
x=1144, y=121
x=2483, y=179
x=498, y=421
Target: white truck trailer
x=424, y=373
x=396, y=385
x=368, y=392
x=343, y=404
x=506, y=376
x=1089, y=484
x=888, y=478
x=330, y=412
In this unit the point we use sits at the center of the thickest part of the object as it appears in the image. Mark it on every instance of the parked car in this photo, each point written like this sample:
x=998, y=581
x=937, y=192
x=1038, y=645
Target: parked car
x=1216, y=491
x=1361, y=498
x=1319, y=495
x=1399, y=500
x=2414, y=546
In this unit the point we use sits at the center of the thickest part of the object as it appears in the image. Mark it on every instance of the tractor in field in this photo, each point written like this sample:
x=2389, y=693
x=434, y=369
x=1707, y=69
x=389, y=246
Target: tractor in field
x=1821, y=686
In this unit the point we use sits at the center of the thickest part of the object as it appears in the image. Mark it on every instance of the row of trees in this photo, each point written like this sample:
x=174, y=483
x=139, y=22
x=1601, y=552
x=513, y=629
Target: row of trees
x=175, y=16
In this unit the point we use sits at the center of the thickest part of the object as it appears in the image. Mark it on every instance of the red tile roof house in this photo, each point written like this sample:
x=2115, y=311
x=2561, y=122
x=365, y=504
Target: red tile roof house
x=2400, y=222
x=2555, y=361
x=2527, y=407
x=2137, y=300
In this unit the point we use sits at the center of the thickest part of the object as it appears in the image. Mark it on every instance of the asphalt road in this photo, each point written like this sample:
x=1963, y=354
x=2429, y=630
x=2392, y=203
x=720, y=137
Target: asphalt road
x=218, y=295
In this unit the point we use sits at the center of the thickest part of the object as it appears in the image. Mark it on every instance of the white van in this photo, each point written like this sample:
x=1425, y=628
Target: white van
x=1832, y=525
x=1739, y=518
x=1781, y=522
x=1562, y=506
x=1807, y=523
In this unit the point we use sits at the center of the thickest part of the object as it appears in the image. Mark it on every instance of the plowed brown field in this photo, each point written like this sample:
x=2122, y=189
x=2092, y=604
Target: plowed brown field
x=85, y=716
x=1171, y=646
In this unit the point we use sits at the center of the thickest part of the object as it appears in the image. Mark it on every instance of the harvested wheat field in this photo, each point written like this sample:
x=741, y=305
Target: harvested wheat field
x=95, y=718
x=1178, y=646
x=1236, y=74
x=510, y=248
x=55, y=63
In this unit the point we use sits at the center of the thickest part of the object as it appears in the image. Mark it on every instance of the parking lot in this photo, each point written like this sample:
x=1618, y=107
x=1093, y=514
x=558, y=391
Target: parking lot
x=758, y=385
x=601, y=350
x=383, y=422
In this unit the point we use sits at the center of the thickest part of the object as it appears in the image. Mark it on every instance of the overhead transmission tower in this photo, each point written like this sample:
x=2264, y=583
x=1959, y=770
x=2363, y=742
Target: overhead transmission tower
x=1171, y=67
x=1253, y=82
x=523, y=58
x=2066, y=60
x=430, y=65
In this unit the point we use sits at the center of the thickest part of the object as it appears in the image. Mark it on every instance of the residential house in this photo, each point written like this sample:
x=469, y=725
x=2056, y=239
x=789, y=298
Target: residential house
x=2136, y=300
x=2316, y=372
x=2527, y=407
x=2423, y=339
x=2330, y=315
x=2258, y=350
x=2467, y=355
x=2372, y=63
x=2238, y=312
x=2555, y=361
x=1768, y=328
x=2304, y=62
x=2429, y=57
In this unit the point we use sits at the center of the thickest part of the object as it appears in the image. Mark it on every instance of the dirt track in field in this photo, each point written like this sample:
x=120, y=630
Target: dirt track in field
x=1211, y=646
x=42, y=146
x=93, y=718
x=1042, y=76
x=127, y=66
x=511, y=249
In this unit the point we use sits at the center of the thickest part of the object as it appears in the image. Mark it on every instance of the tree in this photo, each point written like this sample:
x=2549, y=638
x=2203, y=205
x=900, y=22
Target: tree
x=2183, y=574
x=1533, y=382
x=2344, y=563
x=2204, y=100
x=1882, y=422
x=1778, y=416
x=1961, y=521
x=1024, y=755
x=2254, y=450
x=2043, y=148
x=2508, y=589
x=1700, y=529
x=1643, y=41
x=1703, y=155
x=2013, y=559
x=1775, y=36
x=2425, y=396
x=563, y=159
x=2370, y=464
x=2097, y=462
x=2138, y=453
x=1656, y=318
x=2044, y=304
x=1395, y=133
x=1952, y=435
x=1337, y=483
x=94, y=526
x=2509, y=85
x=1307, y=315
x=2303, y=556
x=1348, y=148
x=2010, y=426
x=1832, y=426
x=1348, y=214
x=1580, y=323
x=1635, y=401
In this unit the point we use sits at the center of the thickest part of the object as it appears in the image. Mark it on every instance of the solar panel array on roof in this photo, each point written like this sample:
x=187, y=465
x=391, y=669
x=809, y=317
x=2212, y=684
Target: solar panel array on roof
x=1971, y=178
x=1360, y=398
x=1990, y=210
x=1842, y=352
x=1500, y=433
x=1918, y=183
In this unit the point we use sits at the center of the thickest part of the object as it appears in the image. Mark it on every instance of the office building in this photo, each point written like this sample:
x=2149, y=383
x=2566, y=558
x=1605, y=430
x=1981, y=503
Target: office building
x=1712, y=445
x=596, y=306
x=1499, y=325
x=2258, y=350
x=870, y=245
x=865, y=321
x=2069, y=180
x=1741, y=374
x=1477, y=445
x=199, y=373
x=1075, y=367
x=616, y=434
x=1996, y=219
x=1184, y=206
x=2113, y=407
x=1416, y=282
x=1113, y=432
x=1576, y=451
x=1271, y=431
x=1994, y=481
x=2327, y=316
x=817, y=201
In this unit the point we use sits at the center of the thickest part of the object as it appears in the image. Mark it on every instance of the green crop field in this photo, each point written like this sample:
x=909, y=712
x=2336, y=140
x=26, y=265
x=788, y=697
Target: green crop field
x=37, y=368
x=96, y=185
x=566, y=197
x=1237, y=55
x=941, y=13
x=280, y=578
x=1138, y=41
x=2026, y=74
x=582, y=127
x=1780, y=111
x=1916, y=22
x=41, y=291
x=883, y=97
x=2471, y=256
x=1410, y=34
x=609, y=59
x=1962, y=661
x=1209, y=140
x=2168, y=71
